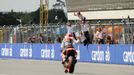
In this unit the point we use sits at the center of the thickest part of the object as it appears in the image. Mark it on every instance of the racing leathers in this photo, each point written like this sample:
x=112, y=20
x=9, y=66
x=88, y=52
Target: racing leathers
x=67, y=46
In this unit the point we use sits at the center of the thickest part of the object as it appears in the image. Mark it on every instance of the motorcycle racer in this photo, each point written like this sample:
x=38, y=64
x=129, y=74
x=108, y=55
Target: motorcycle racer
x=67, y=48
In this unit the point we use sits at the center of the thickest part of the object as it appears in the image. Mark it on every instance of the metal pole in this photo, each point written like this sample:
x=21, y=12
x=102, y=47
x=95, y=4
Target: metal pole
x=3, y=33
x=113, y=41
x=124, y=31
x=128, y=31
x=119, y=33
x=20, y=34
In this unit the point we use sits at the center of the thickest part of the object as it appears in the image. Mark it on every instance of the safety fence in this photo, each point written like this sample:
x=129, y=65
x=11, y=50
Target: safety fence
x=21, y=34
x=95, y=53
x=118, y=33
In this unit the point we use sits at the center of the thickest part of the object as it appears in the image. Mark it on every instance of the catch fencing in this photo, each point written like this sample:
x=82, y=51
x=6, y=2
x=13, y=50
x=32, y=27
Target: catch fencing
x=120, y=33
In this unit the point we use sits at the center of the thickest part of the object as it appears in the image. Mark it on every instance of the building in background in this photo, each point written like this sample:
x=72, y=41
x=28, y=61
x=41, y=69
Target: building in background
x=114, y=15
x=101, y=9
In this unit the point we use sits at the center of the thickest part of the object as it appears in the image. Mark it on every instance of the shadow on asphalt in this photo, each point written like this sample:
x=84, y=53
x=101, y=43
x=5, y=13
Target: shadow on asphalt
x=78, y=73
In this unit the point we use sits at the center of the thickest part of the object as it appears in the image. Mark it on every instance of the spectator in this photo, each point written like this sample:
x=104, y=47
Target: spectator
x=99, y=36
x=108, y=39
x=41, y=38
x=80, y=16
x=105, y=37
x=70, y=29
x=49, y=40
x=84, y=27
x=96, y=35
x=83, y=38
x=85, y=32
x=32, y=39
x=58, y=39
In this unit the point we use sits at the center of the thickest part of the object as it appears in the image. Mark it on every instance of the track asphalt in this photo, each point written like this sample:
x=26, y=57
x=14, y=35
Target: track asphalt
x=44, y=67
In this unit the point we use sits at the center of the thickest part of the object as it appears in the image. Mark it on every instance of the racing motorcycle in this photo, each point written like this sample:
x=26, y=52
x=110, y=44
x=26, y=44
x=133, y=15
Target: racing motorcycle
x=70, y=61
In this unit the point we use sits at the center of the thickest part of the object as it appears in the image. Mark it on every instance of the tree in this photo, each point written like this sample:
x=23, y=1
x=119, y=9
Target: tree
x=53, y=13
x=10, y=18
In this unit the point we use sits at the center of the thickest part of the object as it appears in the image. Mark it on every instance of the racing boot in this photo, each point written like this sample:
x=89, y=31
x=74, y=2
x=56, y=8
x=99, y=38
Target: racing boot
x=65, y=70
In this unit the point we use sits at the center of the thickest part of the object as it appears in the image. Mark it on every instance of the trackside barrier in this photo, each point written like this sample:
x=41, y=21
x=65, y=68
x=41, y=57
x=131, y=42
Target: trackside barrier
x=111, y=54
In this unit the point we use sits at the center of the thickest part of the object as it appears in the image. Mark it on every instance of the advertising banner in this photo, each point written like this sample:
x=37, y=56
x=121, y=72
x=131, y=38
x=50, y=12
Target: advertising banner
x=110, y=54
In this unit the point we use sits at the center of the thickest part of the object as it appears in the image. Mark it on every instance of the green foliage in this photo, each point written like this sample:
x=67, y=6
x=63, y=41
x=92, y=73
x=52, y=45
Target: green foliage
x=35, y=16
x=56, y=15
x=10, y=18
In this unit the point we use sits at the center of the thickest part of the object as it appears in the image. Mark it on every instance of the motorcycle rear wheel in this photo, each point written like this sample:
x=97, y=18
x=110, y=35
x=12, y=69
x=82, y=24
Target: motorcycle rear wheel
x=71, y=64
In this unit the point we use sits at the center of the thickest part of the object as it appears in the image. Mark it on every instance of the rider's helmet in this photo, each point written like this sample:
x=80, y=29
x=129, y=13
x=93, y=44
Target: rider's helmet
x=68, y=37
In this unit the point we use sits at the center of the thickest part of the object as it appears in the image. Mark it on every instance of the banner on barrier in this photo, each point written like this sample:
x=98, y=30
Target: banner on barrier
x=114, y=54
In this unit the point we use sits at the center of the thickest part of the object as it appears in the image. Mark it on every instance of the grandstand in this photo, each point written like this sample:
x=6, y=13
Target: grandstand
x=84, y=5
x=101, y=9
